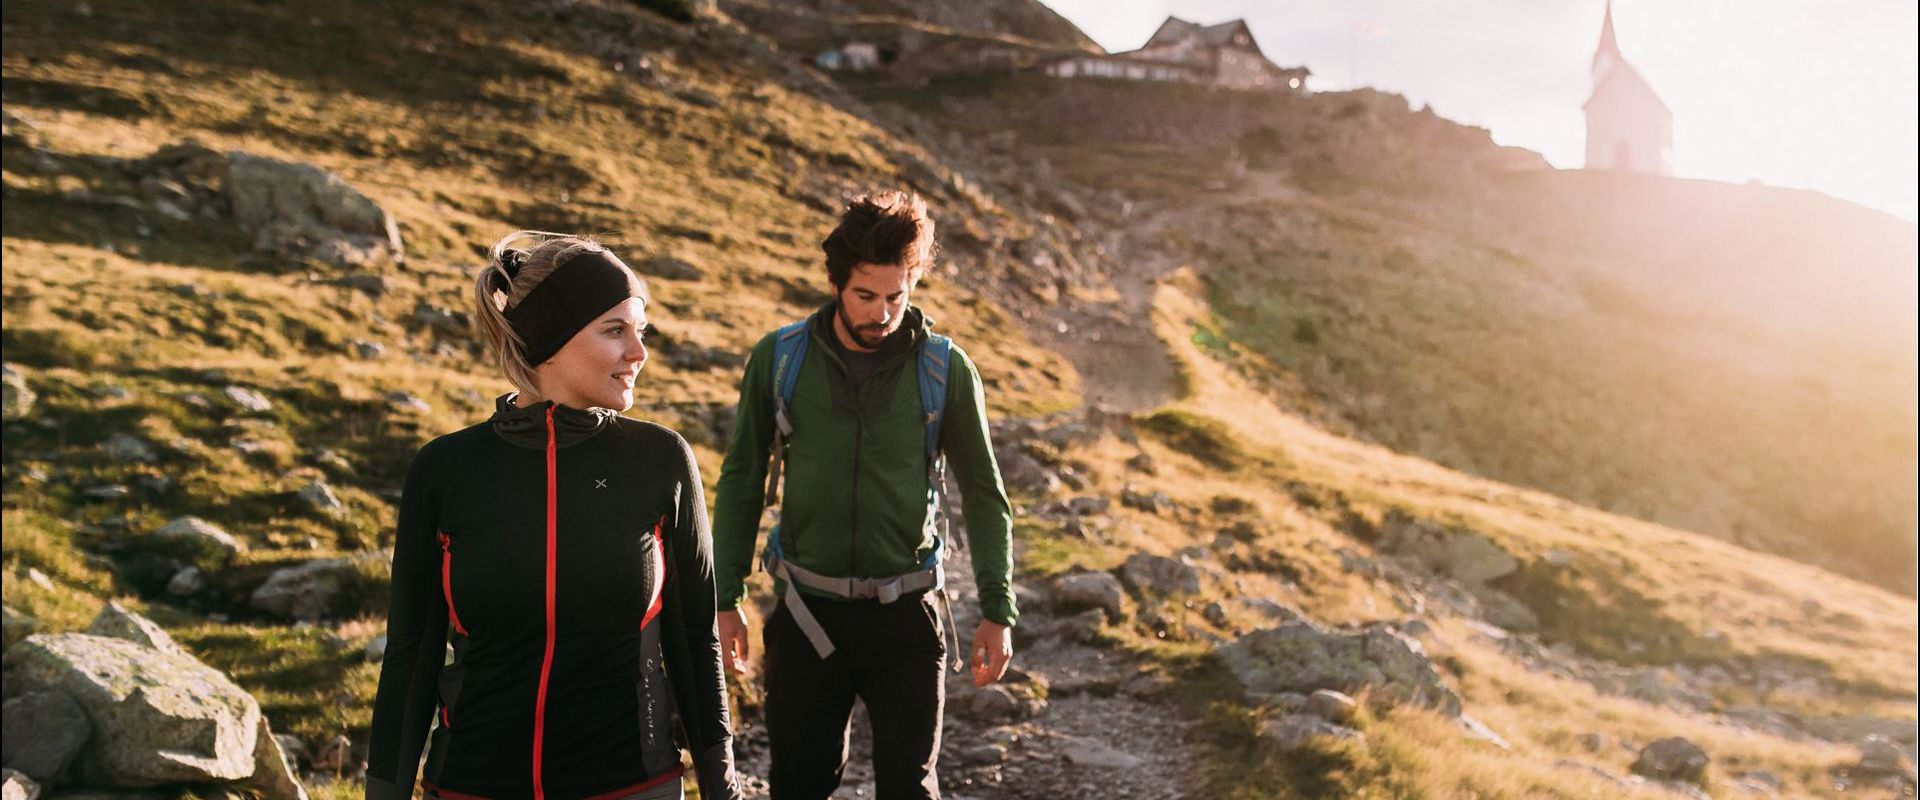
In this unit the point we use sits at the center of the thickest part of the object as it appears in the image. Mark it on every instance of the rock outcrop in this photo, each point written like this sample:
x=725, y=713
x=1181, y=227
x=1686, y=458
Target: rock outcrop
x=1301, y=657
x=158, y=717
x=302, y=211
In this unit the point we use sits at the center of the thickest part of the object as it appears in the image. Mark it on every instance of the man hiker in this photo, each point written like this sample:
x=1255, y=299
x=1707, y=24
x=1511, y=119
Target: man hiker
x=861, y=407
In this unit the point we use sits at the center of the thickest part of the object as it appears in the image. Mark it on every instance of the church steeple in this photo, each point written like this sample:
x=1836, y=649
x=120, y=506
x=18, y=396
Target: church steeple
x=1608, y=53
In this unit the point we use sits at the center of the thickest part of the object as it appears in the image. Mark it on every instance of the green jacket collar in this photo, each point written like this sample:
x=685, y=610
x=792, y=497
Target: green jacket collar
x=820, y=325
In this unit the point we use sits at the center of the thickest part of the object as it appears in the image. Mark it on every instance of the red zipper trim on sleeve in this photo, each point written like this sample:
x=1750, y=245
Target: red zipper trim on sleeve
x=660, y=575
x=546, y=664
x=446, y=582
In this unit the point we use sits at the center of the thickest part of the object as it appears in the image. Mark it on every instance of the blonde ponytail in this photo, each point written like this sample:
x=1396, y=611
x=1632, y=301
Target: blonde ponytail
x=506, y=279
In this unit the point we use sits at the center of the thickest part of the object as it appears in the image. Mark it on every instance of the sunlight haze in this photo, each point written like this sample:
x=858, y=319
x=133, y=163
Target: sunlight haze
x=1792, y=93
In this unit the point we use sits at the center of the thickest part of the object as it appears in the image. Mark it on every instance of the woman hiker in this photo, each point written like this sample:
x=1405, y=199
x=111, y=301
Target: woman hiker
x=562, y=550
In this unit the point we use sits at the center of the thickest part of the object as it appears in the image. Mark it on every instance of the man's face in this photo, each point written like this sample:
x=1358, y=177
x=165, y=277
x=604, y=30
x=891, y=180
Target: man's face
x=873, y=302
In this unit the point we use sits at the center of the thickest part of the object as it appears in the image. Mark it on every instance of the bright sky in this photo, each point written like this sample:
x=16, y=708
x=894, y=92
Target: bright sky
x=1806, y=93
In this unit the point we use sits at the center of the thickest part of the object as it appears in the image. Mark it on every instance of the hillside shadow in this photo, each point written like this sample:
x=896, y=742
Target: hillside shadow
x=103, y=221
x=100, y=100
x=426, y=53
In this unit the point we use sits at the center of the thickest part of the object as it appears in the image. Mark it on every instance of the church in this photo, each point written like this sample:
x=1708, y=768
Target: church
x=1628, y=127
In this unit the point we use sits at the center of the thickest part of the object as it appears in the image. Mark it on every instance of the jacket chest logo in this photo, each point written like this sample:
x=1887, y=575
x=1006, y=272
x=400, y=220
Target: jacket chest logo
x=599, y=483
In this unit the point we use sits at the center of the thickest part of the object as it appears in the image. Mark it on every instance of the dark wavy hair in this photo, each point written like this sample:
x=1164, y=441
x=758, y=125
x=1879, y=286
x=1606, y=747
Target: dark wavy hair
x=888, y=228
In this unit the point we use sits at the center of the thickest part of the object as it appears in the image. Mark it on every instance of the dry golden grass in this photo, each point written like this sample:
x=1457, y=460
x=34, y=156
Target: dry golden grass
x=1865, y=638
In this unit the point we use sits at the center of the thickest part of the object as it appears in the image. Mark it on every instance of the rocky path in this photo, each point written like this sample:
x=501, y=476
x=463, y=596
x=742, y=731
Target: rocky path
x=1122, y=364
x=1100, y=732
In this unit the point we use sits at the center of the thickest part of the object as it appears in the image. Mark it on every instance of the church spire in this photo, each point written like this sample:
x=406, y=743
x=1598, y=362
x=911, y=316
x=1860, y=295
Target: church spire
x=1608, y=53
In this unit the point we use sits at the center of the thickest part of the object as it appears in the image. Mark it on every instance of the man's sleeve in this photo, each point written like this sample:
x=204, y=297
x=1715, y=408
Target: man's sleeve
x=742, y=487
x=403, y=704
x=969, y=450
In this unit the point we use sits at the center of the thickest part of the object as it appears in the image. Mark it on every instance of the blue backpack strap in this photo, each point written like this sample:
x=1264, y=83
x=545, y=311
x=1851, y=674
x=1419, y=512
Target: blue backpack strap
x=789, y=350
x=935, y=356
x=933, y=388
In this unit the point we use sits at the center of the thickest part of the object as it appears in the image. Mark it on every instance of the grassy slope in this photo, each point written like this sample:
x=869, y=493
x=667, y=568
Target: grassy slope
x=1723, y=603
x=460, y=153
x=466, y=122
x=1728, y=359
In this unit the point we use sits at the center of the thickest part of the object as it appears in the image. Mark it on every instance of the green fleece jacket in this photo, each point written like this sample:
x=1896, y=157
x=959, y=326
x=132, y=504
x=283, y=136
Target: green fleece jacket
x=854, y=502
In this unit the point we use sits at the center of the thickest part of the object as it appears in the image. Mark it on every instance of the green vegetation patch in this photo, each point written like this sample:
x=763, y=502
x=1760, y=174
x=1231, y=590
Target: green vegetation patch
x=1205, y=438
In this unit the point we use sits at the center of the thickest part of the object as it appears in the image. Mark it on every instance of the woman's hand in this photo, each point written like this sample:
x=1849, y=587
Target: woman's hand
x=733, y=640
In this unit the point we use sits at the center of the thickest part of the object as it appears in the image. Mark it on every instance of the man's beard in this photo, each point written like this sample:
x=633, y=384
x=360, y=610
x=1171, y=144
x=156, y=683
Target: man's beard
x=867, y=337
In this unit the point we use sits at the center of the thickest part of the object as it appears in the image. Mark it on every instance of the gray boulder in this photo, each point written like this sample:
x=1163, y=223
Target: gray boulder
x=1457, y=553
x=309, y=591
x=1295, y=731
x=992, y=705
x=187, y=582
x=1025, y=473
x=16, y=398
x=1331, y=706
x=1879, y=756
x=159, y=718
x=320, y=497
x=40, y=733
x=300, y=210
x=248, y=400
x=273, y=772
x=117, y=622
x=1672, y=759
x=17, y=786
x=403, y=403
x=1503, y=610
x=1302, y=657
x=1084, y=590
x=1159, y=576
x=127, y=447
x=196, y=540
x=1150, y=502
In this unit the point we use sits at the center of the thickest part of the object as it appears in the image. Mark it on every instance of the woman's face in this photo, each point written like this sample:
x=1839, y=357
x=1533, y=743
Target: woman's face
x=597, y=367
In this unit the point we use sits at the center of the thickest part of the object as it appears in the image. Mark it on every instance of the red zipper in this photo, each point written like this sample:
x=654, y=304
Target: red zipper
x=546, y=665
x=446, y=582
x=659, y=575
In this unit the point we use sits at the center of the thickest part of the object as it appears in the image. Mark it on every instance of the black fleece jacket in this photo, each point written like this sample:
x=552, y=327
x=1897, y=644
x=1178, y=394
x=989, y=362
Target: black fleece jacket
x=566, y=558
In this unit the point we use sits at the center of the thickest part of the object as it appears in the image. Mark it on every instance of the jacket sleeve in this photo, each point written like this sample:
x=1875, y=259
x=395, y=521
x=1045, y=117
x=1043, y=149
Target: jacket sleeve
x=691, y=641
x=741, y=491
x=969, y=450
x=403, y=705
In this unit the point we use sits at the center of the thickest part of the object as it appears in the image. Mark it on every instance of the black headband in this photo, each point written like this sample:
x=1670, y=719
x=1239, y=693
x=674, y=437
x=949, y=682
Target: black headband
x=577, y=292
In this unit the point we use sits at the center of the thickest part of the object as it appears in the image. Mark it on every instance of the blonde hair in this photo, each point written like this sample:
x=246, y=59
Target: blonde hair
x=510, y=274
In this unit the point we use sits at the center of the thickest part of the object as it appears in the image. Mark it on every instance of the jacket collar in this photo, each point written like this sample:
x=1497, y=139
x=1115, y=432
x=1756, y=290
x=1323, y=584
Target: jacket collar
x=527, y=427
x=916, y=324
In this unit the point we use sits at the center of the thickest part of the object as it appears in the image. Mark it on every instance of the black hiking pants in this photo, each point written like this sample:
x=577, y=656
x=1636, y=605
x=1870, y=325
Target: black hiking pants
x=889, y=656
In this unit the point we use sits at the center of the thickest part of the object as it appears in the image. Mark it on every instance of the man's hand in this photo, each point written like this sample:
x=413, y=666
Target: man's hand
x=992, y=651
x=733, y=640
